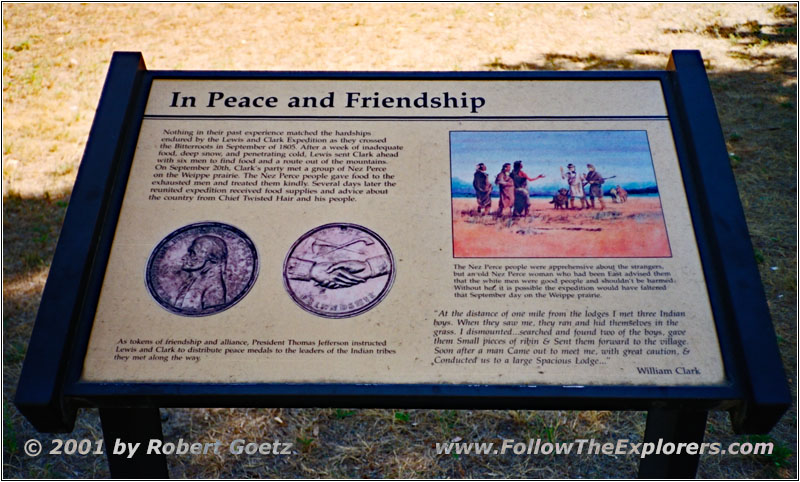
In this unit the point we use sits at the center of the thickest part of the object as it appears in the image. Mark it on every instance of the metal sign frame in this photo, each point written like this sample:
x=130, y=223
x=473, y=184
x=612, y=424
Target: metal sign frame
x=755, y=391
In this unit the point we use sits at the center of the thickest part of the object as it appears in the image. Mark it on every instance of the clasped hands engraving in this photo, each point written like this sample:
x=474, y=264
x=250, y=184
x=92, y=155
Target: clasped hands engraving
x=342, y=274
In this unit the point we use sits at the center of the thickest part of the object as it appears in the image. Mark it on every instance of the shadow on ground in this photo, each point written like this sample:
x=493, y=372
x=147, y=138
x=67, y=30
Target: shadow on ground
x=752, y=33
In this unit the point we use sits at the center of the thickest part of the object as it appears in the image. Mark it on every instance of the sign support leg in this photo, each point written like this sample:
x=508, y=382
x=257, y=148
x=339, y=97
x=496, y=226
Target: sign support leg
x=131, y=426
x=673, y=426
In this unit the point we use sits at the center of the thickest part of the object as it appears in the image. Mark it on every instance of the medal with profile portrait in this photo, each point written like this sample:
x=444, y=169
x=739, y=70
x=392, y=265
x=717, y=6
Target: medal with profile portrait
x=202, y=269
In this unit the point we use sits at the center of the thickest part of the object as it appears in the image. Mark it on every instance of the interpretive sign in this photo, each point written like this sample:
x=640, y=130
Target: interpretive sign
x=538, y=240
x=367, y=255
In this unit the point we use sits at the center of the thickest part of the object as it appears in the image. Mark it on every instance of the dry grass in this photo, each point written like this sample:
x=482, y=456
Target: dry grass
x=54, y=62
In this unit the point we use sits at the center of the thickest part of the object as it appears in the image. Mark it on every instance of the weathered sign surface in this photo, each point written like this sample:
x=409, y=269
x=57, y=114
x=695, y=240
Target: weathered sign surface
x=404, y=231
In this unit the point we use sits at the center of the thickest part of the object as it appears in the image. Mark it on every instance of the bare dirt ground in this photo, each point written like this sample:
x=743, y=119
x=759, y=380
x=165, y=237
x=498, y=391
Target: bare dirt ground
x=633, y=230
x=54, y=61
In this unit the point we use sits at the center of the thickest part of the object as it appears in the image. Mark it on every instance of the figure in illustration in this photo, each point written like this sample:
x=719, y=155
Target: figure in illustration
x=595, y=181
x=506, y=186
x=483, y=188
x=575, y=186
x=204, y=262
x=522, y=200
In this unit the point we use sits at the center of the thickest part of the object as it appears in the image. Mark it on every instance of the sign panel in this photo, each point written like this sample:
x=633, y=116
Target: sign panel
x=405, y=231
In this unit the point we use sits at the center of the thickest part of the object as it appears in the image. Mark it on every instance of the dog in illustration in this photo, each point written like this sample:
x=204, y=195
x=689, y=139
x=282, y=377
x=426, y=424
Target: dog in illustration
x=560, y=199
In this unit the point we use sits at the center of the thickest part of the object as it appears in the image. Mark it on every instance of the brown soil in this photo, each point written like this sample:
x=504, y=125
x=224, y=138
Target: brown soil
x=634, y=230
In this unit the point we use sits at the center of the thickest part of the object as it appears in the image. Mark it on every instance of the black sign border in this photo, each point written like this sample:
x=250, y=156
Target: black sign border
x=755, y=390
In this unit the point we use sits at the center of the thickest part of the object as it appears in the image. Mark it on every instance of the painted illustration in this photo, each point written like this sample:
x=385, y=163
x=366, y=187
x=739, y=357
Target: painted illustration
x=338, y=270
x=202, y=269
x=555, y=194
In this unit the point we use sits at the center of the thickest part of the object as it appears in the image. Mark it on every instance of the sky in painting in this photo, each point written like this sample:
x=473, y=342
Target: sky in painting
x=624, y=154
